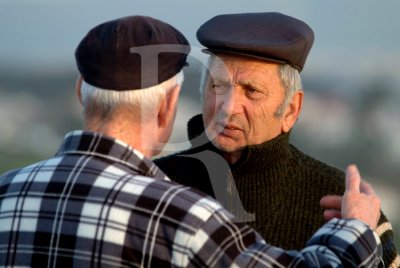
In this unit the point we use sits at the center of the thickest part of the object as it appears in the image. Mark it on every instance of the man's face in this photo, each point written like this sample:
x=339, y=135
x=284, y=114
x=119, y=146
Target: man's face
x=241, y=99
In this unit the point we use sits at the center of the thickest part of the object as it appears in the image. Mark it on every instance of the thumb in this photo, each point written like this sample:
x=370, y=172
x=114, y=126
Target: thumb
x=353, y=179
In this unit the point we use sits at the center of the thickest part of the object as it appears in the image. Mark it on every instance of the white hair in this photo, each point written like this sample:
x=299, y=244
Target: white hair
x=108, y=99
x=288, y=75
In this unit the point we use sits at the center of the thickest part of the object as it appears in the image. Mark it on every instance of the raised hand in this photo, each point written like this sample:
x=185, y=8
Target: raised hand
x=359, y=200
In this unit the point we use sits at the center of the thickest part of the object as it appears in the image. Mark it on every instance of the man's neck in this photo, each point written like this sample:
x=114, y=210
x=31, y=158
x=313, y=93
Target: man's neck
x=232, y=157
x=134, y=135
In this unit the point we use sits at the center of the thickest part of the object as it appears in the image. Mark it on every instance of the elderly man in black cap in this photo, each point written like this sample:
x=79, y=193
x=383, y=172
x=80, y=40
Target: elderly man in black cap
x=252, y=96
x=100, y=201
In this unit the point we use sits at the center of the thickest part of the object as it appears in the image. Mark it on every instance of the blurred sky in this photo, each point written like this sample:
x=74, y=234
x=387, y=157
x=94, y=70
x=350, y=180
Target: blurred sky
x=358, y=37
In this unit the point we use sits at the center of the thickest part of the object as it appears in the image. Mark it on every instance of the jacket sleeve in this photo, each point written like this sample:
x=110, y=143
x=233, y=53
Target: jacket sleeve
x=222, y=243
x=390, y=257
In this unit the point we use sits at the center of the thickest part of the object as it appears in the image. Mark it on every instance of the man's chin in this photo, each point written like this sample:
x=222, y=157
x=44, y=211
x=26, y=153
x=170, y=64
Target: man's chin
x=227, y=147
x=223, y=142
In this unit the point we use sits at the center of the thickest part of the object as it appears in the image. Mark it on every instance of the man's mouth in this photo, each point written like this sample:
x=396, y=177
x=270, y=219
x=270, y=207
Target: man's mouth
x=232, y=127
x=227, y=129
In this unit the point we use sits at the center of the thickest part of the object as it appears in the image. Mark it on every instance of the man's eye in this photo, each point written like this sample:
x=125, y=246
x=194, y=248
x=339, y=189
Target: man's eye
x=254, y=93
x=219, y=88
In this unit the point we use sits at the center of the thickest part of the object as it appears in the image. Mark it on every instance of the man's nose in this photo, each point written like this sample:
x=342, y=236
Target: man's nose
x=232, y=102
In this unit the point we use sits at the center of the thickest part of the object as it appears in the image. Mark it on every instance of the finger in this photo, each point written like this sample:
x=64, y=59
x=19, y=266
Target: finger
x=331, y=202
x=332, y=213
x=366, y=188
x=353, y=179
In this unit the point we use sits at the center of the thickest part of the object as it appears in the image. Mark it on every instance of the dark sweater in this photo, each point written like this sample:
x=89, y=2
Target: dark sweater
x=279, y=186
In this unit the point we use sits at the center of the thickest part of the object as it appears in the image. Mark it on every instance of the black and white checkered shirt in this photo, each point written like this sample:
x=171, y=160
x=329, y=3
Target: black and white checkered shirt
x=98, y=202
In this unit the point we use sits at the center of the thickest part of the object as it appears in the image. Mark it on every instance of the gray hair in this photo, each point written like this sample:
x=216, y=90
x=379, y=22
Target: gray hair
x=288, y=75
x=147, y=99
x=291, y=82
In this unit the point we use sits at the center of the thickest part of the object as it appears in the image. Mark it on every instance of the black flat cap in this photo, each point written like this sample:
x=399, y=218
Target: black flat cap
x=271, y=36
x=131, y=53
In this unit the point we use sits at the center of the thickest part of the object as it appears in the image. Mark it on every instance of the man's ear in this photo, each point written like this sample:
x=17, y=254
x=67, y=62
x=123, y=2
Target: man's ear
x=293, y=111
x=78, y=85
x=167, y=110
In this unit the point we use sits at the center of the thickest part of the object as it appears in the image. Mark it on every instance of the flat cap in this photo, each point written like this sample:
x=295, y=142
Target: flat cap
x=132, y=52
x=270, y=35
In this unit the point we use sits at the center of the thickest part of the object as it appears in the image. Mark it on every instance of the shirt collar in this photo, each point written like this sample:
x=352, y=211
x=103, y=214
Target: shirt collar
x=110, y=149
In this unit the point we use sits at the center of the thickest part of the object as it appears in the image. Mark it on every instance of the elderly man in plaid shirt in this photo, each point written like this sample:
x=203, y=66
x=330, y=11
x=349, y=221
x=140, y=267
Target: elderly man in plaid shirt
x=100, y=201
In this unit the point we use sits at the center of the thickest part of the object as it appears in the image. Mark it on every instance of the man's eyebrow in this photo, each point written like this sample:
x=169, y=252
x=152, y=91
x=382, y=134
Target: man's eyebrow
x=218, y=79
x=255, y=84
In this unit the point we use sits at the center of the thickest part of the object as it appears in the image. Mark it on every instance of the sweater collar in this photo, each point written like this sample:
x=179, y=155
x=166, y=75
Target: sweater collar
x=259, y=155
x=265, y=154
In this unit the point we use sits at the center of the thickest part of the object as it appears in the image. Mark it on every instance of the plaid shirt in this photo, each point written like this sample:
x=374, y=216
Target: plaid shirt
x=99, y=202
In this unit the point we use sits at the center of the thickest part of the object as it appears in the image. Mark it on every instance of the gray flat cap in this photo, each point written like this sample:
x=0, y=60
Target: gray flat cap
x=270, y=36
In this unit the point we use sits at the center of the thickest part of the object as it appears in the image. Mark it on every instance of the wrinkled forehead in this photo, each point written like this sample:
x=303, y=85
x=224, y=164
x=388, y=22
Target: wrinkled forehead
x=228, y=65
